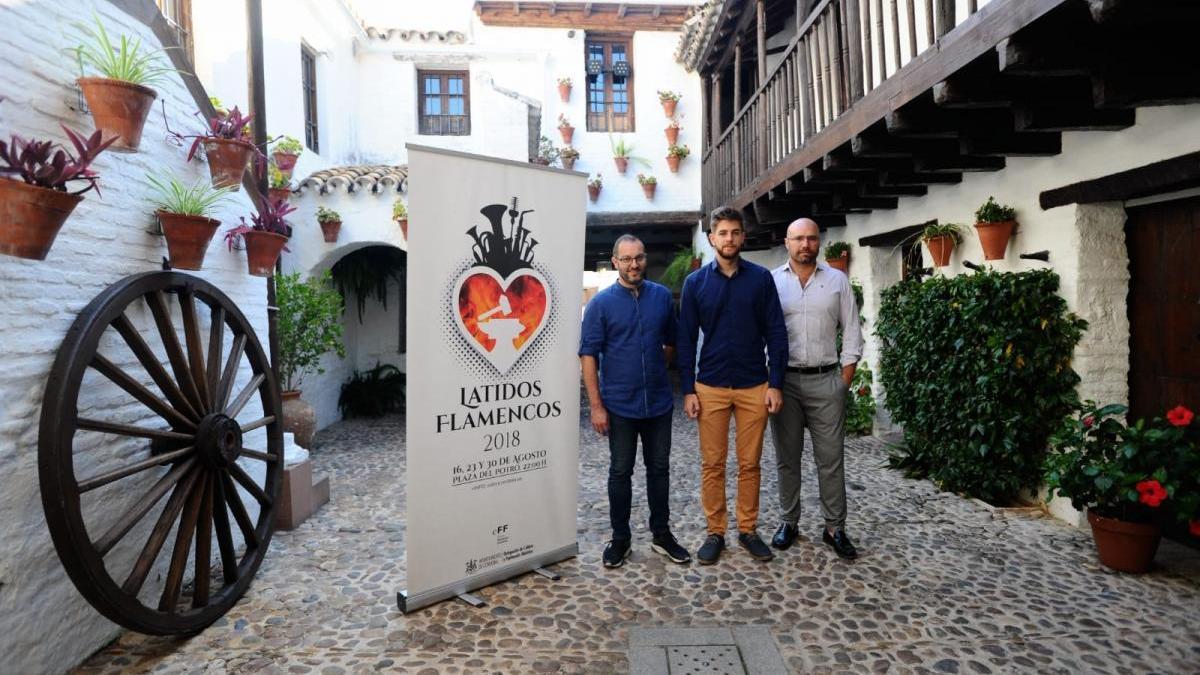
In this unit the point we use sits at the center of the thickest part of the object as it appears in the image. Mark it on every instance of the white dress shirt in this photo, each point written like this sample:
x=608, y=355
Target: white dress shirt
x=813, y=313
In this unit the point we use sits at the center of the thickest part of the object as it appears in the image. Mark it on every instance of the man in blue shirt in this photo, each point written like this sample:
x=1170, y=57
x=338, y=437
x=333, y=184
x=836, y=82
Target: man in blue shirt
x=736, y=304
x=630, y=328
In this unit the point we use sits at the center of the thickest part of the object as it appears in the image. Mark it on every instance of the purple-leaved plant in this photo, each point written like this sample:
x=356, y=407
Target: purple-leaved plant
x=271, y=217
x=49, y=165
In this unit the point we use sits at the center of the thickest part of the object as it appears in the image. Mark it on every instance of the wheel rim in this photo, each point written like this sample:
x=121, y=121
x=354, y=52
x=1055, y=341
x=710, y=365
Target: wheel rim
x=182, y=475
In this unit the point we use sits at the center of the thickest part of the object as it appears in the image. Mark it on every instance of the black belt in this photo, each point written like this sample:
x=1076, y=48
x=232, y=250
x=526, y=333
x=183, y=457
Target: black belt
x=812, y=370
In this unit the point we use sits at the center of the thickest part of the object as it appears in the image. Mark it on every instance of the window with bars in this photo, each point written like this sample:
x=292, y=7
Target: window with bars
x=308, y=84
x=444, y=102
x=178, y=14
x=609, y=96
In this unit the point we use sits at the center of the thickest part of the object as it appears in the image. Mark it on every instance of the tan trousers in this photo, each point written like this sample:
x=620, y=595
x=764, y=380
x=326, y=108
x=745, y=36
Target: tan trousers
x=749, y=409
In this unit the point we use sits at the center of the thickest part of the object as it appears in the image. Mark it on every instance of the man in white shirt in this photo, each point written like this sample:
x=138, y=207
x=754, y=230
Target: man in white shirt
x=817, y=300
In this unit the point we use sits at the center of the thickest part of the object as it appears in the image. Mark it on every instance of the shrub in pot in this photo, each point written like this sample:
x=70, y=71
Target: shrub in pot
x=649, y=184
x=547, y=153
x=400, y=215
x=837, y=255
x=285, y=153
x=564, y=89
x=675, y=153
x=565, y=129
x=278, y=185
x=593, y=187
x=310, y=326
x=669, y=99
x=185, y=215
x=34, y=198
x=672, y=131
x=266, y=236
x=331, y=223
x=121, y=98
x=568, y=156
x=941, y=240
x=995, y=224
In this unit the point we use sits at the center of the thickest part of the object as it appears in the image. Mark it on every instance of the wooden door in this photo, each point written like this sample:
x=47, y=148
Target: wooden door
x=1164, y=307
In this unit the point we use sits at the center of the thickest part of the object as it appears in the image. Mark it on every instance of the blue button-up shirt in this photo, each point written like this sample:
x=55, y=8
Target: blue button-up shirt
x=739, y=315
x=626, y=332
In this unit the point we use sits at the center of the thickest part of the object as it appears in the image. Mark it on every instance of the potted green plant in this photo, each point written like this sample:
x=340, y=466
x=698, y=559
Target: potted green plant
x=565, y=129
x=674, y=154
x=185, y=215
x=547, y=153
x=669, y=99
x=567, y=156
x=995, y=224
x=672, y=131
x=564, y=89
x=1130, y=478
x=686, y=261
x=285, y=153
x=331, y=223
x=649, y=184
x=266, y=236
x=622, y=153
x=400, y=215
x=941, y=240
x=837, y=255
x=121, y=98
x=278, y=185
x=35, y=200
x=310, y=326
x=593, y=187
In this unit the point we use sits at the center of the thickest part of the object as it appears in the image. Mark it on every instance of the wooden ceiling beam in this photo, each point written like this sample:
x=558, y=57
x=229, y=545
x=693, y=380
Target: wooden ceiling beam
x=608, y=16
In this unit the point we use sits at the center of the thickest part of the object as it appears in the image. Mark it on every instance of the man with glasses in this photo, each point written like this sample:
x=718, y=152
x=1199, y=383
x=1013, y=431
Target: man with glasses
x=735, y=303
x=817, y=301
x=630, y=328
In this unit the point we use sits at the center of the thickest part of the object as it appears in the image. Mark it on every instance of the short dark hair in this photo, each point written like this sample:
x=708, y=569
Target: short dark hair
x=623, y=239
x=725, y=212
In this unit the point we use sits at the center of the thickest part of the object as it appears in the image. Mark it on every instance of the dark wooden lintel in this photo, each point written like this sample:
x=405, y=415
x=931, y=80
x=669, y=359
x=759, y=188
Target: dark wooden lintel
x=1168, y=175
x=601, y=16
x=894, y=237
x=631, y=219
x=1055, y=118
x=1025, y=144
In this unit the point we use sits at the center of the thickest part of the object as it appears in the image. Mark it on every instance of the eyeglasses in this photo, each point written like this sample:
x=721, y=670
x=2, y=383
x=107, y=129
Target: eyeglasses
x=810, y=237
x=626, y=260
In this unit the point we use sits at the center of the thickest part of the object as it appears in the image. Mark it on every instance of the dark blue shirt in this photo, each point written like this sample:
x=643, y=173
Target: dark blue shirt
x=626, y=332
x=739, y=315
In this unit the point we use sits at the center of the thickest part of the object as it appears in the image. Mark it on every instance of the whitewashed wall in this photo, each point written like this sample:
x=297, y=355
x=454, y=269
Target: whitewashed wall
x=45, y=625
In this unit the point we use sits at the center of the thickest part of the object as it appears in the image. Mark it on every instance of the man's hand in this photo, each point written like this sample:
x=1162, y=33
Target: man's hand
x=848, y=373
x=774, y=400
x=600, y=419
x=691, y=405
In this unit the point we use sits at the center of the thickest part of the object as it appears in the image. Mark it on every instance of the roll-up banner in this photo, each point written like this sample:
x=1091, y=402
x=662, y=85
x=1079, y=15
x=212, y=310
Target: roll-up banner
x=494, y=290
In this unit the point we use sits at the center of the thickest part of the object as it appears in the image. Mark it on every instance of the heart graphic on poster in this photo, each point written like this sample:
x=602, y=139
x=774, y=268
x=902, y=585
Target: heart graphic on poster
x=500, y=317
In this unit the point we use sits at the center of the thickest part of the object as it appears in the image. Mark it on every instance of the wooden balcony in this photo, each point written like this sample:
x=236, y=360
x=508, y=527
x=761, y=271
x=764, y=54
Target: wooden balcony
x=866, y=107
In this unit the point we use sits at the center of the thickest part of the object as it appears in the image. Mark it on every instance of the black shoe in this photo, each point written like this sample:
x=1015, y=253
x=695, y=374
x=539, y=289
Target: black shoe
x=711, y=550
x=785, y=536
x=665, y=544
x=755, y=546
x=615, y=553
x=840, y=542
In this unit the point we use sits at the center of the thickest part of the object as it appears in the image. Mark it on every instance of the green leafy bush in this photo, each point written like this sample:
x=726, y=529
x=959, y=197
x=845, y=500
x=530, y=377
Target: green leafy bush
x=288, y=145
x=860, y=404
x=310, y=324
x=678, y=269
x=835, y=249
x=977, y=369
x=374, y=393
x=991, y=212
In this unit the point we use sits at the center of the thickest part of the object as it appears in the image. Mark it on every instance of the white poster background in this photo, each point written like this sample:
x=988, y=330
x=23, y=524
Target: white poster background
x=492, y=436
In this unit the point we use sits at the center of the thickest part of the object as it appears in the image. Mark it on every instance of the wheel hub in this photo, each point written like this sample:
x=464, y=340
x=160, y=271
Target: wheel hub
x=219, y=440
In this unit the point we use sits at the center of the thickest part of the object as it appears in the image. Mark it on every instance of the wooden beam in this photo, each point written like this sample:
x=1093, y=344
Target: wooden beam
x=582, y=15
x=1065, y=118
x=761, y=14
x=893, y=237
x=1168, y=175
x=681, y=219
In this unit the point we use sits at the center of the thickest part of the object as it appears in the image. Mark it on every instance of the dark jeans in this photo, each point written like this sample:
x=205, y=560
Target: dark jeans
x=623, y=435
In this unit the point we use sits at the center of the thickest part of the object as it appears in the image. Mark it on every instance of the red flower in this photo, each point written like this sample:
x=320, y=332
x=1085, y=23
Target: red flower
x=1180, y=416
x=1194, y=528
x=1152, y=493
x=1088, y=422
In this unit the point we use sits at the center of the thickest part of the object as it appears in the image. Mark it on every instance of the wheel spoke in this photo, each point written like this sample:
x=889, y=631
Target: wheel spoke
x=170, y=340
x=204, y=546
x=130, y=430
x=260, y=422
x=224, y=536
x=230, y=374
x=183, y=546
x=131, y=517
x=239, y=512
x=158, y=536
x=257, y=454
x=248, y=483
x=135, y=389
x=195, y=352
x=244, y=397
x=150, y=362
x=216, y=340
x=94, y=482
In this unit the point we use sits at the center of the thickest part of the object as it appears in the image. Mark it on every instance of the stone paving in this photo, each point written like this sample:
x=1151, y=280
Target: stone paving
x=943, y=584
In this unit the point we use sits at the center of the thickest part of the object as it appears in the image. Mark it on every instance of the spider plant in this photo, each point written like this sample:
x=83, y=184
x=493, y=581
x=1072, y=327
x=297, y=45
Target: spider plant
x=197, y=199
x=623, y=150
x=126, y=61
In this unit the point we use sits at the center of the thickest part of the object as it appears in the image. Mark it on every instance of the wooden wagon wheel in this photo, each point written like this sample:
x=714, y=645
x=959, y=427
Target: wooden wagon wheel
x=193, y=458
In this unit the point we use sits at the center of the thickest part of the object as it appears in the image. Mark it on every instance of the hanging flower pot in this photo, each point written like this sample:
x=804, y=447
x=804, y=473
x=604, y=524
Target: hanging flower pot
x=262, y=250
x=403, y=227
x=1125, y=546
x=622, y=164
x=564, y=91
x=227, y=160
x=567, y=134
x=568, y=162
x=673, y=164
x=330, y=230
x=187, y=237
x=841, y=262
x=695, y=264
x=276, y=194
x=285, y=162
x=119, y=109
x=994, y=238
x=593, y=192
x=672, y=135
x=648, y=189
x=30, y=218
x=940, y=248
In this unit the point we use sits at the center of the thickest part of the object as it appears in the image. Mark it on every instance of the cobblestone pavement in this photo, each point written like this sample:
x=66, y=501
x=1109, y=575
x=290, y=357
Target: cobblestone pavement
x=943, y=584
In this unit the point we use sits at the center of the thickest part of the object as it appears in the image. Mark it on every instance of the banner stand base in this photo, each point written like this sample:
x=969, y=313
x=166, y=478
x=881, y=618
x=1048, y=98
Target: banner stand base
x=471, y=599
x=408, y=602
x=552, y=576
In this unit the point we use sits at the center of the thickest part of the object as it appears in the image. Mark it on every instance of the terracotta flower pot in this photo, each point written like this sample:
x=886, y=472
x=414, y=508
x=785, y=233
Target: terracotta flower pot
x=669, y=107
x=673, y=164
x=262, y=250
x=672, y=135
x=188, y=238
x=118, y=109
x=564, y=92
x=649, y=190
x=299, y=418
x=567, y=134
x=695, y=264
x=227, y=161
x=568, y=163
x=404, y=227
x=593, y=193
x=622, y=164
x=840, y=263
x=994, y=238
x=30, y=218
x=285, y=162
x=330, y=230
x=940, y=248
x=277, y=194
x=1123, y=546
